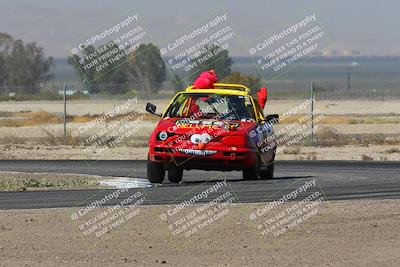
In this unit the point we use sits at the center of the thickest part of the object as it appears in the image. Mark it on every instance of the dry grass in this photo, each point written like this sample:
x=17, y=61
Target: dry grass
x=366, y=157
x=342, y=120
x=312, y=156
x=6, y=114
x=324, y=120
x=328, y=136
x=43, y=117
x=334, y=120
x=45, y=184
x=374, y=120
x=32, y=119
x=35, y=181
x=292, y=150
x=392, y=150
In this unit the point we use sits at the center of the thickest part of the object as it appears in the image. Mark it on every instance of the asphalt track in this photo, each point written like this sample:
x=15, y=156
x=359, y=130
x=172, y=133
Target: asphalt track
x=335, y=180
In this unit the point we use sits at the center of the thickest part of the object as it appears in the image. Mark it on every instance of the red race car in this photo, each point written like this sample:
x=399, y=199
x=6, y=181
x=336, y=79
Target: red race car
x=222, y=129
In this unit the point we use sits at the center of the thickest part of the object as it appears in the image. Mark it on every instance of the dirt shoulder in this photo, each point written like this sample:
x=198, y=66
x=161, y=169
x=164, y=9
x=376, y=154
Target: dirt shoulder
x=355, y=233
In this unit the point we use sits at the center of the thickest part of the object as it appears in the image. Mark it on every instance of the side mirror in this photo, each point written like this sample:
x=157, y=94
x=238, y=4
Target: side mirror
x=272, y=118
x=151, y=108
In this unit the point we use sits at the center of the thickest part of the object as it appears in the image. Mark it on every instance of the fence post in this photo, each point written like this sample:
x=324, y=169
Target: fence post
x=65, y=114
x=312, y=95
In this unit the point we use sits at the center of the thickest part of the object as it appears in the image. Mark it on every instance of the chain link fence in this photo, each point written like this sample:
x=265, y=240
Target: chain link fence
x=39, y=115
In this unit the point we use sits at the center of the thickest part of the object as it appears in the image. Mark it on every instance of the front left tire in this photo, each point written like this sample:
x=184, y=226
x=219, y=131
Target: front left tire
x=253, y=172
x=268, y=172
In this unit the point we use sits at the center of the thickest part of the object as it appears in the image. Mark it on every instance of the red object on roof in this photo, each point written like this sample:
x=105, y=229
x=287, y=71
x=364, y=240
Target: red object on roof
x=262, y=96
x=206, y=80
x=211, y=75
x=203, y=83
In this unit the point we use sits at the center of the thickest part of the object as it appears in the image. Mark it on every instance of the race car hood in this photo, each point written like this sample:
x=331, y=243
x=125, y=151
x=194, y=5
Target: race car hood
x=207, y=135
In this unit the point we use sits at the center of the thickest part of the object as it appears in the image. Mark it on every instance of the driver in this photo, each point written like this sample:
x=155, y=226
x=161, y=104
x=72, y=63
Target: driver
x=237, y=105
x=191, y=107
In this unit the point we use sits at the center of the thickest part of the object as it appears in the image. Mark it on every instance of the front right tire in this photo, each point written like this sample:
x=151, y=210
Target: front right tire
x=155, y=172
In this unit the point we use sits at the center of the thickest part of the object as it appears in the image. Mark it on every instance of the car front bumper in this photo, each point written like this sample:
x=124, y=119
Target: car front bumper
x=210, y=158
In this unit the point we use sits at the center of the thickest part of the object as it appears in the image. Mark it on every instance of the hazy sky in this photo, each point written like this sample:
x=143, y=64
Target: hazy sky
x=368, y=26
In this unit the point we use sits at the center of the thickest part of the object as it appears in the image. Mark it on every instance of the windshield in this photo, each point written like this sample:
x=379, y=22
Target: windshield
x=208, y=106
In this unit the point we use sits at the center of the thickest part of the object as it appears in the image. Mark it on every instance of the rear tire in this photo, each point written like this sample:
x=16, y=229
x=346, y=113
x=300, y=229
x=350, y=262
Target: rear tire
x=155, y=172
x=175, y=174
x=268, y=173
x=252, y=173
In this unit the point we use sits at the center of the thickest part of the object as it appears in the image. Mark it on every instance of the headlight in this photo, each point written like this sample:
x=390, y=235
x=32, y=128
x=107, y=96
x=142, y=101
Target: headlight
x=163, y=136
x=196, y=138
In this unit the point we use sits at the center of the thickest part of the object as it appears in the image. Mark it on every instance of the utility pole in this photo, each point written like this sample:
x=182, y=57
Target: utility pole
x=312, y=95
x=354, y=63
x=65, y=114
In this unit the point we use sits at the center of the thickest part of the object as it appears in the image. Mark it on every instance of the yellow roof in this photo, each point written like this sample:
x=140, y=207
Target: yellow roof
x=222, y=88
